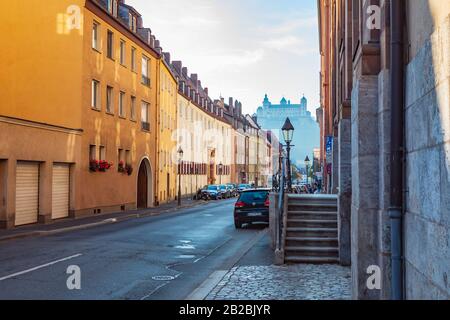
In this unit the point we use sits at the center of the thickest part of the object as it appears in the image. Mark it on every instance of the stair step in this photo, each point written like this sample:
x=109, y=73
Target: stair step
x=312, y=241
x=292, y=233
x=312, y=223
x=311, y=260
x=313, y=249
x=331, y=252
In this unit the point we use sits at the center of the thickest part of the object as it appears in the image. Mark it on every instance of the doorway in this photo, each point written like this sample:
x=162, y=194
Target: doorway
x=144, y=185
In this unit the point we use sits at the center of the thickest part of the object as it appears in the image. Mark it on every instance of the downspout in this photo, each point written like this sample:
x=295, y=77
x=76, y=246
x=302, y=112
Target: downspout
x=397, y=146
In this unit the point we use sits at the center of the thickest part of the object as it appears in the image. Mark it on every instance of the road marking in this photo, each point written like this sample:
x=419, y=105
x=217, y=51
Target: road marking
x=39, y=267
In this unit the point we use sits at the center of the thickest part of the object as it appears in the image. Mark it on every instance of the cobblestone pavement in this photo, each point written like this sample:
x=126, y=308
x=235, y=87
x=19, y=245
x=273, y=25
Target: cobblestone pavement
x=290, y=282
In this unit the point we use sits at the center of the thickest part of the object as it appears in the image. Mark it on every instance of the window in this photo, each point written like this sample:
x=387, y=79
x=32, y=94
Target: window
x=95, y=94
x=92, y=152
x=127, y=157
x=133, y=59
x=132, y=22
x=112, y=7
x=122, y=104
x=102, y=153
x=110, y=45
x=133, y=108
x=145, y=78
x=122, y=52
x=109, y=99
x=144, y=116
x=95, y=36
x=121, y=156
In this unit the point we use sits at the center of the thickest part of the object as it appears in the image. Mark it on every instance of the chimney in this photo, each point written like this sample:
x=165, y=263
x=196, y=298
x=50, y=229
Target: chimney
x=139, y=22
x=167, y=57
x=185, y=72
x=194, y=78
x=206, y=91
x=177, y=65
x=199, y=83
x=152, y=41
x=158, y=47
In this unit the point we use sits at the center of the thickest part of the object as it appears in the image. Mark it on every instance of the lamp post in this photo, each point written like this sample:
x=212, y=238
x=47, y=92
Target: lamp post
x=180, y=158
x=307, y=163
x=288, y=133
x=220, y=172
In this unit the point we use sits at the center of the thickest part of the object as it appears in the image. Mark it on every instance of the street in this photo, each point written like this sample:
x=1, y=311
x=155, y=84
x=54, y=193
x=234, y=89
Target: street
x=163, y=257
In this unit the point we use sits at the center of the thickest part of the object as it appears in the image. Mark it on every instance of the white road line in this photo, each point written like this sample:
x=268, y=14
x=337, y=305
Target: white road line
x=39, y=267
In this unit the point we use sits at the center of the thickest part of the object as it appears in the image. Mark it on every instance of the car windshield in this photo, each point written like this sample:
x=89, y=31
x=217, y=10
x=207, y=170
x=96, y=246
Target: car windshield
x=212, y=188
x=254, y=196
x=223, y=187
x=243, y=186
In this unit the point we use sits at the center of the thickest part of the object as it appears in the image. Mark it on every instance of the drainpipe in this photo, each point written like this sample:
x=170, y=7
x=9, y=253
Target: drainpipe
x=397, y=146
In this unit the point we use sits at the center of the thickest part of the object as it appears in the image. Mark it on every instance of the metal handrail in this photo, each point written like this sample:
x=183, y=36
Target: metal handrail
x=280, y=211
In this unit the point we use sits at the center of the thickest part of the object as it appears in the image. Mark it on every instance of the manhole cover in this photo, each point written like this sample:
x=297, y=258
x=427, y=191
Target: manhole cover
x=163, y=278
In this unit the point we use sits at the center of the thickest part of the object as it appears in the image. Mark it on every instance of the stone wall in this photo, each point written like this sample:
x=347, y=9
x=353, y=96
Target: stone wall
x=427, y=219
x=365, y=194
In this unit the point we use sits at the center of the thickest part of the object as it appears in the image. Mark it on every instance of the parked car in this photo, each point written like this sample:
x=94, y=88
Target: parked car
x=243, y=187
x=224, y=191
x=233, y=189
x=252, y=206
x=211, y=192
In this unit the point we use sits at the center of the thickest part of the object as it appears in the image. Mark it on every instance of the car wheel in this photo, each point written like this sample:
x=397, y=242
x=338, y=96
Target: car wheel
x=238, y=224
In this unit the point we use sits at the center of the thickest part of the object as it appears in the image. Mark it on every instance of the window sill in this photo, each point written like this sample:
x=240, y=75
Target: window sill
x=96, y=109
x=109, y=113
x=96, y=50
x=123, y=117
x=112, y=59
x=124, y=66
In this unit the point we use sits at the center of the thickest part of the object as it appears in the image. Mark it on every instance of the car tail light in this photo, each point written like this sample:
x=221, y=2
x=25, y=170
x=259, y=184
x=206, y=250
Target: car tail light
x=239, y=204
x=267, y=203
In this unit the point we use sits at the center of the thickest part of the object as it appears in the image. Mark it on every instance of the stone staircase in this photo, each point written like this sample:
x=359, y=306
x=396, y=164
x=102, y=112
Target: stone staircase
x=311, y=235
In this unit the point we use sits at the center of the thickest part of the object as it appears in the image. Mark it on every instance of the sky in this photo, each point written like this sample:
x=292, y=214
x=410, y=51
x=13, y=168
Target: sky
x=242, y=48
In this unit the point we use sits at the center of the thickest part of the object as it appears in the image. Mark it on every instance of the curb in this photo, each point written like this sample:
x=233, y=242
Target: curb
x=38, y=233
x=211, y=284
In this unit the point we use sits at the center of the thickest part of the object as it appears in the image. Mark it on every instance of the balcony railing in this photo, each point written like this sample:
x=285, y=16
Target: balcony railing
x=145, y=126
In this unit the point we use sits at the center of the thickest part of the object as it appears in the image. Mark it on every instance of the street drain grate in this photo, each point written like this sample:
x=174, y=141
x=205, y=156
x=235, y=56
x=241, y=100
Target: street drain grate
x=163, y=278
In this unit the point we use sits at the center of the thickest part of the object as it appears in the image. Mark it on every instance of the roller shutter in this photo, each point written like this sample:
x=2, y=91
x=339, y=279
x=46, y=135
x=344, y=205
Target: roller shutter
x=27, y=193
x=60, y=191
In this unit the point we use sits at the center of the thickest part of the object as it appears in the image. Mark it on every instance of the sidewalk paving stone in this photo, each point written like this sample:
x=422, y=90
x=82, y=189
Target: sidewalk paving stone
x=288, y=282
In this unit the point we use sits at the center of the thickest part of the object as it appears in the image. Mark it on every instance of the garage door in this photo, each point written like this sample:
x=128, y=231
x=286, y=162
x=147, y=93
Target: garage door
x=60, y=191
x=27, y=193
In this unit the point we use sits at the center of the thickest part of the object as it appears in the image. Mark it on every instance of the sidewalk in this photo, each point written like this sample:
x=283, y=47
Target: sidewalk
x=71, y=224
x=256, y=278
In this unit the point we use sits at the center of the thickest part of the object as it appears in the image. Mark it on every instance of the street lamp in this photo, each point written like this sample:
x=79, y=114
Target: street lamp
x=180, y=158
x=220, y=172
x=288, y=133
x=307, y=163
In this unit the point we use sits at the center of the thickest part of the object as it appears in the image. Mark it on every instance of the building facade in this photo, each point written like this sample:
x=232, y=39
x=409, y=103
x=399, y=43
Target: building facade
x=203, y=133
x=385, y=101
x=167, y=126
x=83, y=126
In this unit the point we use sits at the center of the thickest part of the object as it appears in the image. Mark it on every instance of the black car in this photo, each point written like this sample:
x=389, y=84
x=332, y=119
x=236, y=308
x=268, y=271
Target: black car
x=252, y=206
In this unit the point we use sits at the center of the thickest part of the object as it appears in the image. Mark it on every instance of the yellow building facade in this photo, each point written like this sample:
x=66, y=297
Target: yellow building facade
x=203, y=134
x=167, y=127
x=78, y=113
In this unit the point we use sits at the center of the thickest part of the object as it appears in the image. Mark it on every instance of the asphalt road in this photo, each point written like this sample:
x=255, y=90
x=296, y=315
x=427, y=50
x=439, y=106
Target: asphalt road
x=163, y=257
